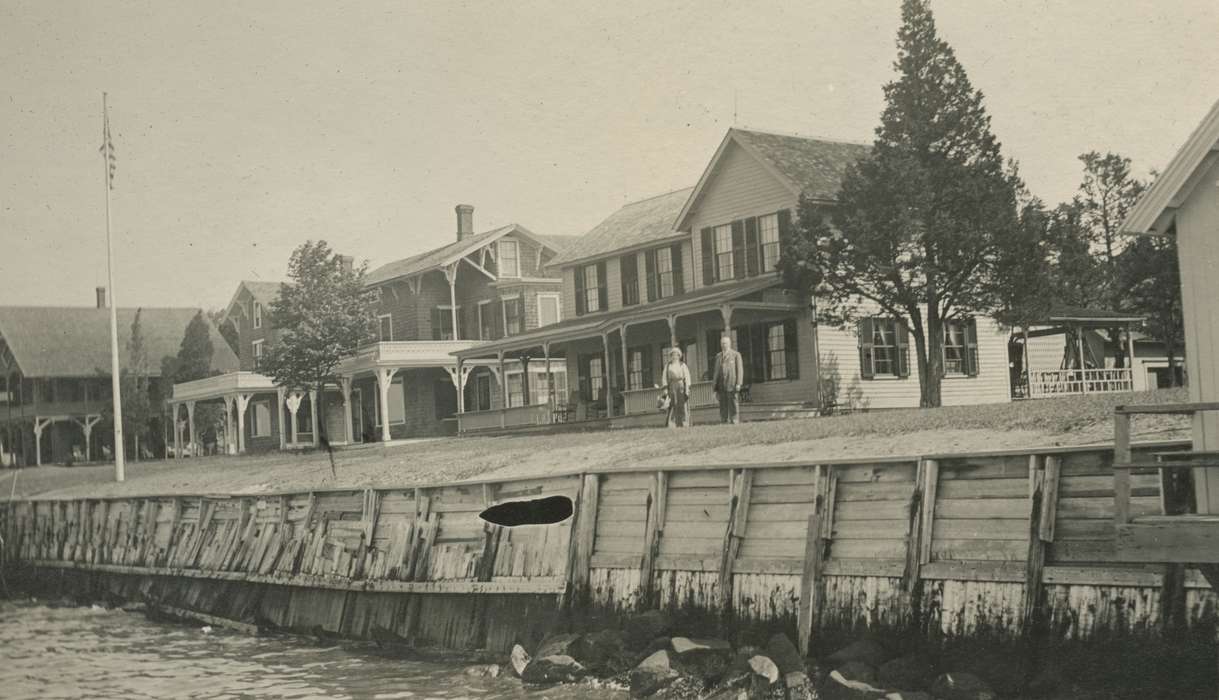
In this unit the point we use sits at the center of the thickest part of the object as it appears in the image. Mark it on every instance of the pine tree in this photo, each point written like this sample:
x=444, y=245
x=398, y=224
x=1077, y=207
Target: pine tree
x=918, y=225
x=194, y=360
x=1149, y=277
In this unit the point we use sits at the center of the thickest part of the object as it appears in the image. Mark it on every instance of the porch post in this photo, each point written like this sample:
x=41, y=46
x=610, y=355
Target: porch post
x=385, y=378
x=1079, y=338
x=450, y=274
x=460, y=385
x=38, y=428
x=313, y=411
x=177, y=431
x=348, y=428
x=549, y=378
x=609, y=377
x=1130, y=354
x=243, y=400
x=190, y=428
x=726, y=315
x=294, y=404
x=672, y=319
x=230, y=444
x=279, y=417
x=87, y=426
x=626, y=369
x=503, y=391
x=526, y=399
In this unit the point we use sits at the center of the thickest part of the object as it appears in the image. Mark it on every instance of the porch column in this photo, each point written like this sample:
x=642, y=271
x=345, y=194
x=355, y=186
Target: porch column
x=672, y=319
x=190, y=428
x=459, y=383
x=314, y=400
x=348, y=427
x=243, y=400
x=87, y=427
x=279, y=417
x=726, y=315
x=609, y=377
x=39, y=425
x=293, y=402
x=385, y=378
x=549, y=378
x=503, y=390
x=450, y=274
x=526, y=399
x=626, y=369
x=173, y=407
x=1130, y=354
x=230, y=430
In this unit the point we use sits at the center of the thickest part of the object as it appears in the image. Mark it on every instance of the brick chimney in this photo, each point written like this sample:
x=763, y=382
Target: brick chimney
x=101, y=297
x=465, y=221
x=347, y=261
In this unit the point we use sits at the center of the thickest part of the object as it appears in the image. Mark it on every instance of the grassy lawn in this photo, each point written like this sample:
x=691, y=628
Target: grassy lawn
x=1048, y=422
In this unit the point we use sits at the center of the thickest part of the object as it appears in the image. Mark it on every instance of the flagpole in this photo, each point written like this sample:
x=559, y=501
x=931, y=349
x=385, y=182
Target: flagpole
x=119, y=467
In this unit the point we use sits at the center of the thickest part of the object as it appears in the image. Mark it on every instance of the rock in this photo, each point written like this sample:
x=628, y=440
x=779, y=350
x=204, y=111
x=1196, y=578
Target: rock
x=765, y=668
x=866, y=650
x=836, y=687
x=799, y=686
x=519, y=660
x=641, y=629
x=553, y=669
x=913, y=672
x=685, y=645
x=961, y=686
x=652, y=674
x=557, y=645
x=785, y=655
x=858, y=671
x=909, y=695
x=483, y=671
x=599, y=649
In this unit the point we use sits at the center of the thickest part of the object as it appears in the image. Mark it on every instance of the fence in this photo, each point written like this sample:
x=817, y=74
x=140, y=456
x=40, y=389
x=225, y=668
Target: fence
x=1061, y=382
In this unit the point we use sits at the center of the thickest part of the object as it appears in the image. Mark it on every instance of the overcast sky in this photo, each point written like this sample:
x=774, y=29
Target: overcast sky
x=243, y=128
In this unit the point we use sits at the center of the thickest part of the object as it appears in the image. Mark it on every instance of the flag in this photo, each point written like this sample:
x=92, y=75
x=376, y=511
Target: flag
x=107, y=150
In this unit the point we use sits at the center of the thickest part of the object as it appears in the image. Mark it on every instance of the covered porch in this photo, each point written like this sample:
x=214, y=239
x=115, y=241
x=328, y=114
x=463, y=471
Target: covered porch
x=612, y=365
x=237, y=412
x=1067, y=354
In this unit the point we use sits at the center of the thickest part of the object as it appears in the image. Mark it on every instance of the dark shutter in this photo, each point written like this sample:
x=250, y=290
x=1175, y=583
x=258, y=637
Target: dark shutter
x=738, y=249
x=679, y=284
x=758, y=361
x=713, y=348
x=971, y=347
x=649, y=271
x=903, y=348
x=647, y=375
x=752, y=251
x=436, y=323
x=583, y=380
x=709, y=267
x=602, y=287
x=785, y=228
x=581, y=304
x=497, y=313
x=791, y=347
x=628, y=275
x=865, y=348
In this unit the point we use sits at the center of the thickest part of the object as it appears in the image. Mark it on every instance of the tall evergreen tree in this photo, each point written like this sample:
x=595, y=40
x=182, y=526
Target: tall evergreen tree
x=1149, y=275
x=918, y=224
x=194, y=360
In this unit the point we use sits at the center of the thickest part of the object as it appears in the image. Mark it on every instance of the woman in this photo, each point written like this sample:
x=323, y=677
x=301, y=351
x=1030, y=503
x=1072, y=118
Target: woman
x=677, y=386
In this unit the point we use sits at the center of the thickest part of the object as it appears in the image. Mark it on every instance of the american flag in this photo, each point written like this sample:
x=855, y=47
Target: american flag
x=107, y=150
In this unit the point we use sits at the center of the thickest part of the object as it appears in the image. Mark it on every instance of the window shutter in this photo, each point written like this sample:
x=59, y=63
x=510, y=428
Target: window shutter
x=865, y=348
x=713, y=348
x=646, y=374
x=708, y=258
x=971, y=347
x=649, y=271
x=436, y=323
x=602, y=287
x=791, y=347
x=586, y=387
x=738, y=249
x=581, y=305
x=757, y=362
x=752, y=250
x=903, y=348
x=679, y=284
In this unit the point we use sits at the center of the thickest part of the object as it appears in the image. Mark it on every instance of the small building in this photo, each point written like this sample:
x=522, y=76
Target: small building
x=55, y=381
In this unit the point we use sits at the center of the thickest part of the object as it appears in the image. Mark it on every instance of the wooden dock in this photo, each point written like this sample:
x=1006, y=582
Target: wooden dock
x=955, y=545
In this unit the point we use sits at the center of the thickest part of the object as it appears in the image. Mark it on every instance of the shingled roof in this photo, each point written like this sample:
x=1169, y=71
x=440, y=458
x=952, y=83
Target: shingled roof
x=263, y=293
x=637, y=223
x=445, y=255
x=74, y=341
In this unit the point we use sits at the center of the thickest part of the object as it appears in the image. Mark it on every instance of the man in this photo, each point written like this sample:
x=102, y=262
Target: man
x=729, y=372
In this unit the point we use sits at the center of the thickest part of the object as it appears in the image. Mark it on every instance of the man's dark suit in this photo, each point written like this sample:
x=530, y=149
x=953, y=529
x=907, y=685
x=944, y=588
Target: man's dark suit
x=728, y=375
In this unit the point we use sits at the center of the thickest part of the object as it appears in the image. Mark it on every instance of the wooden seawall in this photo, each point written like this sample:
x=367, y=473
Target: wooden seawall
x=961, y=545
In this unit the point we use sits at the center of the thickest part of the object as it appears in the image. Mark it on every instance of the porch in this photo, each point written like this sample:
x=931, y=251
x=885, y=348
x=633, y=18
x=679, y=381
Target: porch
x=1065, y=354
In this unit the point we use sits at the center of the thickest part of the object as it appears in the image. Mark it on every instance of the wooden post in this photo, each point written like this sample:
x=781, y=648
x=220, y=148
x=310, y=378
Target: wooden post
x=315, y=407
x=738, y=502
x=504, y=399
x=609, y=376
x=672, y=319
x=1121, y=476
x=549, y=378
x=583, y=536
x=814, y=553
x=1035, y=558
x=190, y=429
x=626, y=367
x=914, y=532
x=931, y=483
x=385, y=379
x=653, y=532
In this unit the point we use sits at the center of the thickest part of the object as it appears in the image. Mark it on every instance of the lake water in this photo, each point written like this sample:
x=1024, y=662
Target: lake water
x=75, y=652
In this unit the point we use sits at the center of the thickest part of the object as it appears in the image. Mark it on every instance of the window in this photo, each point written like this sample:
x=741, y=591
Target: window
x=397, y=404
x=591, y=290
x=723, y=253
x=304, y=416
x=883, y=348
x=640, y=374
x=548, y=309
x=516, y=391
x=961, y=348
x=514, y=316
x=776, y=353
x=592, y=377
x=538, y=392
x=260, y=421
x=664, y=272
x=442, y=323
x=629, y=272
x=768, y=240
x=385, y=329
x=258, y=352
x=486, y=321
x=257, y=315
x=478, y=392
x=509, y=263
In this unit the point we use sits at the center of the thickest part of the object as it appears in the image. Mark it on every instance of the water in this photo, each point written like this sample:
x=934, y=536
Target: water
x=75, y=652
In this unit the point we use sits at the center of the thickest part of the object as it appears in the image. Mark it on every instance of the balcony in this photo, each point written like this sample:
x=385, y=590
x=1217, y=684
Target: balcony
x=1065, y=382
x=222, y=385
x=404, y=354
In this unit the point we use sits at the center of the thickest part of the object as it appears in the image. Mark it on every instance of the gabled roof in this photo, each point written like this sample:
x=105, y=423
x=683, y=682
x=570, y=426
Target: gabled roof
x=1155, y=210
x=635, y=224
x=74, y=341
x=263, y=293
x=807, y=166
x=437, y=258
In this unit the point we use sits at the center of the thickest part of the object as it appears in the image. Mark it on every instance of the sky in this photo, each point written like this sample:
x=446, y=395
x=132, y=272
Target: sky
x=243, y=129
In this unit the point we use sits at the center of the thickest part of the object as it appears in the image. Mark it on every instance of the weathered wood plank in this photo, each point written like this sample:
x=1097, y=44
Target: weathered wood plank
x=811, y=572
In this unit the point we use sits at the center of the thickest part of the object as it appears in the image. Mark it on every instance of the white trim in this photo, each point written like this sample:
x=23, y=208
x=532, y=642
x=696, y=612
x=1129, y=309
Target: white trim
x=558, y=306
x=503, y=307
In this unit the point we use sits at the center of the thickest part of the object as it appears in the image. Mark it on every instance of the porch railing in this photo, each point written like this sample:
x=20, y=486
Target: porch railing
x=516, y=416
x=1060, y=382
x=644, y=400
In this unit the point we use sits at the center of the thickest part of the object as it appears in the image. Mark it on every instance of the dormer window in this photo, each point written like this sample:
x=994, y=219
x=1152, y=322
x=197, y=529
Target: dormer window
x=509, y=259
x=257, y=315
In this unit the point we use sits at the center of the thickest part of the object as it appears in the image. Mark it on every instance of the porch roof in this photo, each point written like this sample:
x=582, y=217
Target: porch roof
x=222, y=385
x=705, y=299
x=1086, y=317
x=402, y=354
